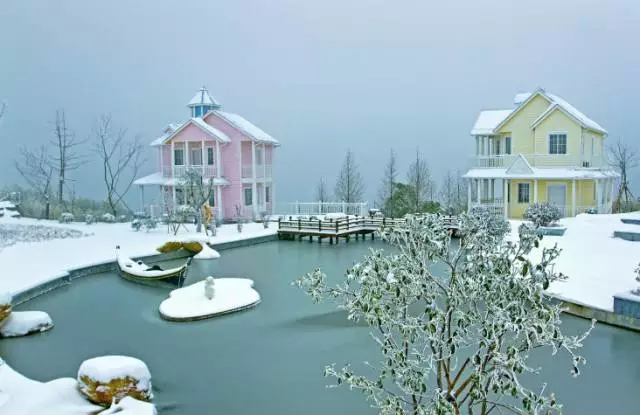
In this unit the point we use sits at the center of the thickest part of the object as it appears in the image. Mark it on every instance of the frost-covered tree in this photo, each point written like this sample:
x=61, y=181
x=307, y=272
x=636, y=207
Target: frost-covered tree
x=453, y=193
x=198, y=191
x=350, y=185
x=36, y=168
x=322, y=193
x=543, y=213
x=487, y=221
x=624, y=159
x=388, y=184
x=120, y=156
x=455, y=323
x=419, y=178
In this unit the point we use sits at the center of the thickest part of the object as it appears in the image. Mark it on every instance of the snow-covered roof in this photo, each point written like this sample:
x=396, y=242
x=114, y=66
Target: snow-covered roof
x=488, y=120
x=586, y=121
x=158, y=179
x=540, y=173
x=203, y=97
x=246, y=127
x=174, y=129
x=167, y=133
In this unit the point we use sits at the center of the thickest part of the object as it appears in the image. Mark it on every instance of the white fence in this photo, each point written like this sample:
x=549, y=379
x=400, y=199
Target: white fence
x=321, y=208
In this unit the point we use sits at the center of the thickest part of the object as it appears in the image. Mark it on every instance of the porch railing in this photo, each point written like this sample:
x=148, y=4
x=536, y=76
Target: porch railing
x=539, y=160
x=179, y=171
x=262, y=171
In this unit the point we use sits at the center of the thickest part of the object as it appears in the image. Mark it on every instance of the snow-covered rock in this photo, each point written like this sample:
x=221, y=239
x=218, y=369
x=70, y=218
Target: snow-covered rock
x=20, y=395
x=130, y=406
x=5, y=306
x=191, y=303
x=104, y=378
x=207, y=252
x=21, y=323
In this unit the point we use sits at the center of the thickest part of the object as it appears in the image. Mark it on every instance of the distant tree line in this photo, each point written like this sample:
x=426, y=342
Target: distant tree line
x=396, y=198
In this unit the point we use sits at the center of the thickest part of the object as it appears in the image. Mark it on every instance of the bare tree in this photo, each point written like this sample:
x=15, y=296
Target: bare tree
x=199, y=191
x=461, y=186
x=447, y=191
x=36, y=168
x=389, y=179
x=419, y=178
x=67, y=158
x=350, y=185
x=121, y=159
x=623, y=159
x=322, y=193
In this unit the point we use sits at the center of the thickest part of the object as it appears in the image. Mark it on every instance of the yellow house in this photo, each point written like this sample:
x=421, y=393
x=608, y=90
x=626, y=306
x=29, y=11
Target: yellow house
x=542, y=150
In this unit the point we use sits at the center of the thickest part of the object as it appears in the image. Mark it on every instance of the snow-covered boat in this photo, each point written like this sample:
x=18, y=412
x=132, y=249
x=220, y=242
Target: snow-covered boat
x=138, y=271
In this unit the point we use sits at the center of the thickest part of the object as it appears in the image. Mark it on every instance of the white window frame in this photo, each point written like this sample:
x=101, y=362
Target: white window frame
x=195, y=154
x=521, y=187
x=175, y=159
x=558, y=147
x=508, y=139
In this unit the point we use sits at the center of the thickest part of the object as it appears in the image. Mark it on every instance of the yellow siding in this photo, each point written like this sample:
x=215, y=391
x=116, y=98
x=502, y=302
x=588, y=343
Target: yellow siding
x=584, y=194
x=519, y=127
x=557, y=121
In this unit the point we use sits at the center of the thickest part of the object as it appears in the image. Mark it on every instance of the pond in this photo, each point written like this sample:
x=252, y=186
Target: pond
x=270, y=359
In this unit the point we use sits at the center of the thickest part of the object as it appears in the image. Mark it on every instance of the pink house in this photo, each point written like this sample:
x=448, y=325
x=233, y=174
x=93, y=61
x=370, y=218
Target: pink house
x=235, y=155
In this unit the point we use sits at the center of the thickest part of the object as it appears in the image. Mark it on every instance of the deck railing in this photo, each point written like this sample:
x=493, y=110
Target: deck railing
x=346, y=225
x=179, y=171
x=539, y=160
x=322, y=208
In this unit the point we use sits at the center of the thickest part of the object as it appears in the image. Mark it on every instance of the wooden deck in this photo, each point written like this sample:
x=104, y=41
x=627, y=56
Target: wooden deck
x=340, y=228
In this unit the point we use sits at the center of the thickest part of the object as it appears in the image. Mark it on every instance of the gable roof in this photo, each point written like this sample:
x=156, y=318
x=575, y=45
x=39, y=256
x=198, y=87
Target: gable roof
x=488, y=120
x=520, y=166
x=555, y=101
x=202, y=97
x=198, y=122
x=167, y=133
x=245, y=127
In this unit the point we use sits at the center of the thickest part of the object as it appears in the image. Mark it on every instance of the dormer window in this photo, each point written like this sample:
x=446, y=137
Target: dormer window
x=558, y=143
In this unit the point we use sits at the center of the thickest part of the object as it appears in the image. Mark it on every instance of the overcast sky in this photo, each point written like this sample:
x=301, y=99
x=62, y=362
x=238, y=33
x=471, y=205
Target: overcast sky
x=321, y=76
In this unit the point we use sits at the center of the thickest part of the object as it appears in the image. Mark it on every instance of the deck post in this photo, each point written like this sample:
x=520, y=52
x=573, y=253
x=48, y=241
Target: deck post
x=279, y=220
x=310, y=238
x=299, y=224
x=319, y=225
x=337, y=222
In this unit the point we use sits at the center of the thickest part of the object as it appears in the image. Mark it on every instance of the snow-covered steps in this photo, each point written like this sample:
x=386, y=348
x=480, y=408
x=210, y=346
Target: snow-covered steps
x=22, y=323
x=104, y=378
x=191, y=303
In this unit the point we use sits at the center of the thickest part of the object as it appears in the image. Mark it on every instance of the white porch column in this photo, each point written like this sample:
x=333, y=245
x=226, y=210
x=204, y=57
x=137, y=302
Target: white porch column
x=202, y=158
x=218, y=160
x=598, y=194
x=469, y=195
x=535, y=190
x=479, y=191
x=172, y=158
x=254, y=185
x=186, y=154
x=272, y=186
x=219, y=202
x=505, y=193
x=573, y=197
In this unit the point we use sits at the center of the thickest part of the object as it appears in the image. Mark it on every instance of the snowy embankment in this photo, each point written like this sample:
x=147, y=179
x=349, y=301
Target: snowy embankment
x=597, y=265
x=21, y=323
x=12, y=233
x=55, y=257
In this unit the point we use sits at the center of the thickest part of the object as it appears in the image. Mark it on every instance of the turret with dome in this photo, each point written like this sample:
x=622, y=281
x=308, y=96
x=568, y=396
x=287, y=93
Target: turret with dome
x=202, y=103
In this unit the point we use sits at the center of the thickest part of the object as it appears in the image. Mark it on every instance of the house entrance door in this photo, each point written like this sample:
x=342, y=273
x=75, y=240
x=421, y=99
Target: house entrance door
x=557, y=194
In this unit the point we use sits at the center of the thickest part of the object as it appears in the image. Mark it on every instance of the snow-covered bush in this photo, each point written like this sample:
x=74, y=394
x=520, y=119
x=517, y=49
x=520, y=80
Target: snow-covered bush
x=136, y=224
x=637, y=271
x=108, y=218
x=66, y=217
x=13, y=233
x=481, y=218
x=456, y=338
x=122, y=218
x=150, y=223
x=543, y=214
x=89, y=219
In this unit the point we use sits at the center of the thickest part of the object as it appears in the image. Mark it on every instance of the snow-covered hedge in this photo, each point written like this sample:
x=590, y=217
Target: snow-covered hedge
x=66, y=217
x=14, y=233
x=89, y=219
x=108, y=218
x=543, y=214
x=484, y=219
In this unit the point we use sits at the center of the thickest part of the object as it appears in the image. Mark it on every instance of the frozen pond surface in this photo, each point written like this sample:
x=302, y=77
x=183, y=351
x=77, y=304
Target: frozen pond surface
x=269, y=359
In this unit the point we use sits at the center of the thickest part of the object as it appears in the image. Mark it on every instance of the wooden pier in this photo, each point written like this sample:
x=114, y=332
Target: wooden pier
x=334, y=230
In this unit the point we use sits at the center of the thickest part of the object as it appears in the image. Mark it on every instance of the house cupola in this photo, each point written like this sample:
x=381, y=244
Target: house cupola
x=202, y=103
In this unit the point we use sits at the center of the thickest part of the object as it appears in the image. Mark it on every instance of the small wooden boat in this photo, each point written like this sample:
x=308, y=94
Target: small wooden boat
x=138, y=271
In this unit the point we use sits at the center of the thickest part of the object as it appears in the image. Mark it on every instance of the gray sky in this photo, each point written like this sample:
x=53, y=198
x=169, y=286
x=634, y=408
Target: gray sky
x=321, y=76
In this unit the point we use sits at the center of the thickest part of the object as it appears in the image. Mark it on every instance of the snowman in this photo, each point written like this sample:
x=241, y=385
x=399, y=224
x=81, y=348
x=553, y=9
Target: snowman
x=209, y=287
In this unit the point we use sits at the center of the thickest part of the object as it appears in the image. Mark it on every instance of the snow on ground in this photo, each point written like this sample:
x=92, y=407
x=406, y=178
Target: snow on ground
x=20, y=395
x=55, y=257
x=104, y=369
x=597, y=265
x=130, y=406
x=230, y=294
x=21, y=323
x=207, y=253
x=12, y=232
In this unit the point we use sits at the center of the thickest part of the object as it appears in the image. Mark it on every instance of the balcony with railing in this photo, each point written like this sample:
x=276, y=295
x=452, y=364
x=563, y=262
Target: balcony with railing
x=539, y=160
x=263, y=171
x=179, y=171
